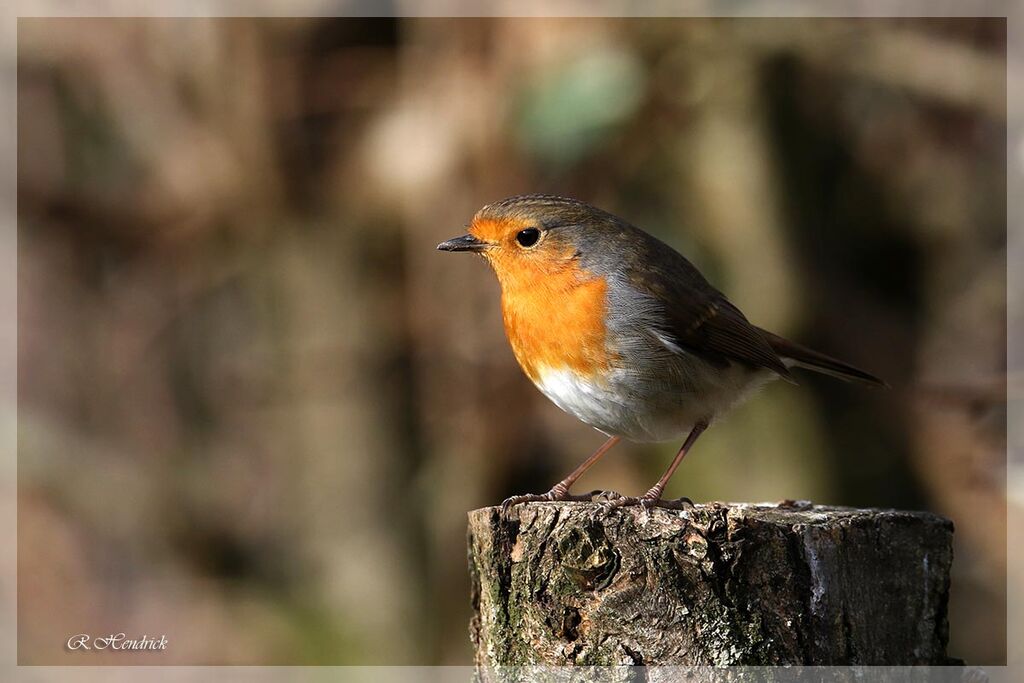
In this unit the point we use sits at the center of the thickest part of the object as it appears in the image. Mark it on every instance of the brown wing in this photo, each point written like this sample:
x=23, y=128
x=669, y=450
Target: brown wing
x=819, y=362
x=699, y=317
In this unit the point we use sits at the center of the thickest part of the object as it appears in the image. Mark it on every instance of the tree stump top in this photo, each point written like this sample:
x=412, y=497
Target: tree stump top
x=718, y=584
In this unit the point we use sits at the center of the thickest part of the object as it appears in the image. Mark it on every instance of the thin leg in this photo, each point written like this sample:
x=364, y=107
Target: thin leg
x=560, y=491
x=653, y=496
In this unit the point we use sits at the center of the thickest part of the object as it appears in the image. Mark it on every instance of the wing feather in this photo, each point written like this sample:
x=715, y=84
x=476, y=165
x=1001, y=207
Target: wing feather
x=698, y=317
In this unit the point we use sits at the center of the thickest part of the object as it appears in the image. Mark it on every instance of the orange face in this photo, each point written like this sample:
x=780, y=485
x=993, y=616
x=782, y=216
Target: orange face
x=520, y=252
x=554, y=310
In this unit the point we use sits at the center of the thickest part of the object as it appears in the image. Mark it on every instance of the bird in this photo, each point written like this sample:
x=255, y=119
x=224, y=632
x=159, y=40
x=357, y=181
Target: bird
x=620, y=330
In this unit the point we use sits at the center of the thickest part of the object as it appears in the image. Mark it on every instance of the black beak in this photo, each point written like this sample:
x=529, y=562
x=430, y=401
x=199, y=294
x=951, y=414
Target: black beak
x=463, y=243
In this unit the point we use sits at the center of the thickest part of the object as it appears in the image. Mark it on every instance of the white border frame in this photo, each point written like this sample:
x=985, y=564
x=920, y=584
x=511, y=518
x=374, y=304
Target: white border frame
x=10, y=11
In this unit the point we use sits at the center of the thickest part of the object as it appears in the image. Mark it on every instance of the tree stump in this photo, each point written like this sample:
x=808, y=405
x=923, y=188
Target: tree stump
x=719, y=584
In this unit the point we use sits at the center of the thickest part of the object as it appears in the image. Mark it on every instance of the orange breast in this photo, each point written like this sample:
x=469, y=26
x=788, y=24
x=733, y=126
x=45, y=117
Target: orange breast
x=556, y=319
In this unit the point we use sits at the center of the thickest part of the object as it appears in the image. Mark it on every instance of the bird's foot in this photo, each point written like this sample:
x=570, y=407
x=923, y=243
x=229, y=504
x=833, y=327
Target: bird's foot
x=557, y=493
x=650, y=500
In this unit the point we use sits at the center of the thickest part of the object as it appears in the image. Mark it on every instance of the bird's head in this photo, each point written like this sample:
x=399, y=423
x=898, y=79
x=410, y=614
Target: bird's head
x=529, y=238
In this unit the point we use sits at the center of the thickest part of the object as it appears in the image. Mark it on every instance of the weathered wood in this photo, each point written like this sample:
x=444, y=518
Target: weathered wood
x=574, y=583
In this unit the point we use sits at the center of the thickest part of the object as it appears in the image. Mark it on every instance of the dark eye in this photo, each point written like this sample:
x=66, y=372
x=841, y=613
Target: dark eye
x=528, y=237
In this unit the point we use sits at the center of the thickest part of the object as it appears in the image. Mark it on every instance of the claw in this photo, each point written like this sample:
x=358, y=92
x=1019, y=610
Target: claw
x=621, y=502
x=555, y=494
x=649, y=502
x=507, y=504
x=605, y=496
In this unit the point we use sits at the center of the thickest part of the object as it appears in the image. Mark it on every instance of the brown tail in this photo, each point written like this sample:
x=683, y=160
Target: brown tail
x=804, y=357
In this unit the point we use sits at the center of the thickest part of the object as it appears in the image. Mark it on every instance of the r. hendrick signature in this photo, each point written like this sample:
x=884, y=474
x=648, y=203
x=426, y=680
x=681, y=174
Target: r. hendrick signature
x=116, y=641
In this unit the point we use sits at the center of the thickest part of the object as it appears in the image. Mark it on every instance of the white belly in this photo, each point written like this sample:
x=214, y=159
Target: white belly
x=595, y=404
x=649, y=411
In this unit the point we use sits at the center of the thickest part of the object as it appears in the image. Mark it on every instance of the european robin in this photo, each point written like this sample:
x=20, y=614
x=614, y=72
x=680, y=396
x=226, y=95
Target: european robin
x=622, y=331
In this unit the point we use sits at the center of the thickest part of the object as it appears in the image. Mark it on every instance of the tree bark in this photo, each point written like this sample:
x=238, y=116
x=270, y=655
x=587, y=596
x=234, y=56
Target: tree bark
x=719, y=584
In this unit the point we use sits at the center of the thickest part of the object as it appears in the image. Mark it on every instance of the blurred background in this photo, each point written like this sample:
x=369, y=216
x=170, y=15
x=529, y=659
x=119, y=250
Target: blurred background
x=255, y=404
